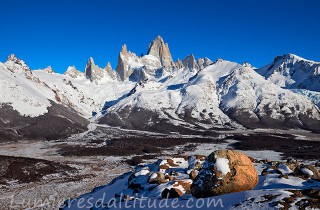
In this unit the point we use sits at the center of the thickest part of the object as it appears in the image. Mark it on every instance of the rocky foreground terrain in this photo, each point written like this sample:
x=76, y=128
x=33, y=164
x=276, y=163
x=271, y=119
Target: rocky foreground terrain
x=71, y=168
x=227, y=177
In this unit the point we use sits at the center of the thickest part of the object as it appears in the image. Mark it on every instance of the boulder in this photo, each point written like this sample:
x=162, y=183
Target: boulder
x=224, y=171
x=315, y=171
x=172, y=193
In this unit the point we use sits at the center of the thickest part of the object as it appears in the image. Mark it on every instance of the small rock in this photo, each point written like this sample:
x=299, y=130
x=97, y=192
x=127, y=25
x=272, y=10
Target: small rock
x=168, y=177
x=201, y=157
x=171, y=163
x=164, y=167
x=192, y=175
x=157, y=178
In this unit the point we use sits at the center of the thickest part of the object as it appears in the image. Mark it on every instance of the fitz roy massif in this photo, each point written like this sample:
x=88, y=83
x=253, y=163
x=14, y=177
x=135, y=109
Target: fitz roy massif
x=153, y=92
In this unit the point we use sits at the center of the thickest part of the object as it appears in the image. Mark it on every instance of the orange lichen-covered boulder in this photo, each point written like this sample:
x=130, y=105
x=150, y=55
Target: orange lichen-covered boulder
x=224, y=171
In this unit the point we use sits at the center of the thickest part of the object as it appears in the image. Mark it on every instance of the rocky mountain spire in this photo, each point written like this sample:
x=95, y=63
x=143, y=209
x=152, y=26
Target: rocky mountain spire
x=190, y=63
x=160, y=50
x=108, y=68
x=92, y=71
x=89, y=68
x=204, y=62
x=124, y=50
x=123, y=69
x=110, y=72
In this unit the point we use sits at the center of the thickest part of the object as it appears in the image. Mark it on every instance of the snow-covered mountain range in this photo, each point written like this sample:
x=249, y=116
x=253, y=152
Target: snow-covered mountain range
x=152, y=92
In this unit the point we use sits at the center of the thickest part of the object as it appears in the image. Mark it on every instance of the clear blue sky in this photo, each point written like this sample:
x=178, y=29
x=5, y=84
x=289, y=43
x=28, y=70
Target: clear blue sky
x=67, y=32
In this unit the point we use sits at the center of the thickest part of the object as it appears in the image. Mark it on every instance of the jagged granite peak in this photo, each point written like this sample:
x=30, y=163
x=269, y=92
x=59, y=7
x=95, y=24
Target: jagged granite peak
x=73, y=72
x=159, y=49
x=110, y=72
x=108, y=66
x=134, y=68
x=293, y=72
x=123, y=69
x=94, y=72
x=124, y=50
x=204, y=62
x=190, y=63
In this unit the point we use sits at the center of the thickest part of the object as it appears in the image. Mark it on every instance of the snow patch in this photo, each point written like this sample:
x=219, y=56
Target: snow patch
x=222, y=165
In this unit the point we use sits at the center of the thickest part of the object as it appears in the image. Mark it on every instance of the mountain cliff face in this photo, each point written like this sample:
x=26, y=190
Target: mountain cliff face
x=134, y=68
x=160, y=50
x=293, y=72
x=95, y=73
x=152, y=92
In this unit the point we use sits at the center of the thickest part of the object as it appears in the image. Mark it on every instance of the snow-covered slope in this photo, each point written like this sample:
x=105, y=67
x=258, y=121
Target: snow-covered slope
x=29, y=108
x=22, y=90
x=83, y=95
x=311, y=95
x=291, y=71
x=225, y=94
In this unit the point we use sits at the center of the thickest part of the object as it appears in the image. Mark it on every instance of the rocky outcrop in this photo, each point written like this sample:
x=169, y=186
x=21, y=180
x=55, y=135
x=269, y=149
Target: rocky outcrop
x=179, y=64
x=124, y=70
x=92, y=71
x=135, y=68
x=49, y=70
x=160, y=50
x=95, y=73
x=110, y=71
x=204, y=62
x=16, y=65
x=247, y=64
x=224, y=171
x=190, y=63
x=73, y=72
